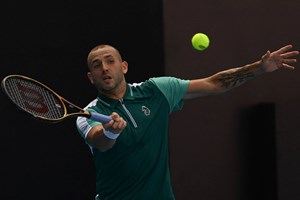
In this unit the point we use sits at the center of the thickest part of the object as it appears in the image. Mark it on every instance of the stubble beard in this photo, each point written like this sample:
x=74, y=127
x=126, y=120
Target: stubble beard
x=113, y=89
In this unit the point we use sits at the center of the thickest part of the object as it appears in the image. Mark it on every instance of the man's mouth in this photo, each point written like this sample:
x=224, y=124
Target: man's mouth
x=106, y=78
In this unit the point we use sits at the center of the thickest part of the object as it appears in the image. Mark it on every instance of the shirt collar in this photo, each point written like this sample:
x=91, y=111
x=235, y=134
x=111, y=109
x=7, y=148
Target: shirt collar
x=113, y=102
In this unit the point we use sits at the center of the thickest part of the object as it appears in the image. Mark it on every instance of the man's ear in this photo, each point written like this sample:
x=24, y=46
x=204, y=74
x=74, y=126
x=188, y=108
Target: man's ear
x=124, y=67
x=89, y=75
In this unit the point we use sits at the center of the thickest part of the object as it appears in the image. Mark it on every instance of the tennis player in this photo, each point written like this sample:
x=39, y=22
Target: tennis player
x=131, y=151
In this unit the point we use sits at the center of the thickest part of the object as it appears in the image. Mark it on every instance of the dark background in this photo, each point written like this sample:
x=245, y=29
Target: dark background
x=240, y=145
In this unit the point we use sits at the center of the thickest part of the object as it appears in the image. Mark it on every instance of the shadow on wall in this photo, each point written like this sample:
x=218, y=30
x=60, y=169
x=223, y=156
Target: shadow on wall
x=257, y=152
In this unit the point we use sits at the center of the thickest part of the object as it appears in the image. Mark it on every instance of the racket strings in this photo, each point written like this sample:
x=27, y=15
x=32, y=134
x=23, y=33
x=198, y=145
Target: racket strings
x=35, y=99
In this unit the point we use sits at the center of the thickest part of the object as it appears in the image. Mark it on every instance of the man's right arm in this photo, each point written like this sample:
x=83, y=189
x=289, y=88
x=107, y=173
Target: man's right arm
x=97, y=139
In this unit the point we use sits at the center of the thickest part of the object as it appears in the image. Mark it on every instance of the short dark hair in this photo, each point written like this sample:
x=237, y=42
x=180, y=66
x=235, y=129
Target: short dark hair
x=100, y=46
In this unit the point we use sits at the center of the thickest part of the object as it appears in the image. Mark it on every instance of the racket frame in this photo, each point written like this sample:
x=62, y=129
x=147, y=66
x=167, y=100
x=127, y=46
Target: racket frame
x=63, y=101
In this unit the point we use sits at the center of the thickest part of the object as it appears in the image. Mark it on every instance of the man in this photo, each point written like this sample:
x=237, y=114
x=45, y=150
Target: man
x=131, y=151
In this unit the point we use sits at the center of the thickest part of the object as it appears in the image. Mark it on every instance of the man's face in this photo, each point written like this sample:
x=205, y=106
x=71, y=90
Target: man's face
x=106, y=69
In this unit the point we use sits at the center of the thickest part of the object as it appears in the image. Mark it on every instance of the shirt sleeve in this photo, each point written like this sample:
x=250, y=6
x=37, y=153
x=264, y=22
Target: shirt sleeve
x=174, y=89
x=84, y=125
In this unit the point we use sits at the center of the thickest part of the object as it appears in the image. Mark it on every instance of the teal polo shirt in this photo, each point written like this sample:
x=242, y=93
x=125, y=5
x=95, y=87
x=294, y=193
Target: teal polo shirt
x=137, y=166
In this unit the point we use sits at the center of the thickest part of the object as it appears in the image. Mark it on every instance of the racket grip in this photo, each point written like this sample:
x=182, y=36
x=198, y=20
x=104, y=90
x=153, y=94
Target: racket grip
x=100, y=117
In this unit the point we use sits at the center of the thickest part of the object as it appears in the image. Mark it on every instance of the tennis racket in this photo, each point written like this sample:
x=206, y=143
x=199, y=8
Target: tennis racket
x=43, y=103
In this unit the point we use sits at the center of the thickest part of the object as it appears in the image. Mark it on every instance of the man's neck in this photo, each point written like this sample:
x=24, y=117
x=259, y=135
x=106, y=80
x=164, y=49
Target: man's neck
x=117, y=93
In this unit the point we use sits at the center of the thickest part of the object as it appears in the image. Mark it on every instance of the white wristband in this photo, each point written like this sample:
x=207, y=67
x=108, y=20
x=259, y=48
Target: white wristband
x=110, y=135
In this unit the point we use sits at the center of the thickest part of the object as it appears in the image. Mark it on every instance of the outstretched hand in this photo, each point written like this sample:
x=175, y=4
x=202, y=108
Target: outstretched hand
x=282, y=58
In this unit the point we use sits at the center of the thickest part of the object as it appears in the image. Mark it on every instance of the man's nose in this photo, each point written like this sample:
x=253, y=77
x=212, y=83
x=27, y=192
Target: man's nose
x=104, y=67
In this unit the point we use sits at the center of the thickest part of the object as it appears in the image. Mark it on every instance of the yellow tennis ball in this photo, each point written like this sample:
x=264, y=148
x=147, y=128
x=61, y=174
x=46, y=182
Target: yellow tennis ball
x=200, y=41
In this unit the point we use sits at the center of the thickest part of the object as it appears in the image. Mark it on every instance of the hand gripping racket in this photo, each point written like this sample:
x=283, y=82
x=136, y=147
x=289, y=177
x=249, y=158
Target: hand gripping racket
x=43, y=103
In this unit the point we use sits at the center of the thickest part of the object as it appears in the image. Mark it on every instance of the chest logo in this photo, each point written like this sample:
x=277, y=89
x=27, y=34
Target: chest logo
x=146, y=110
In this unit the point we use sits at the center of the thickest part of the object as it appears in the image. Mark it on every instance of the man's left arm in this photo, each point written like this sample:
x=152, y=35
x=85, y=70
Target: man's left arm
x=232, y=78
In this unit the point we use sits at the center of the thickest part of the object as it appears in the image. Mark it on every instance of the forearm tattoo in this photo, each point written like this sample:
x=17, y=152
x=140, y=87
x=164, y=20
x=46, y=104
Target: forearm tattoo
x=231, y=80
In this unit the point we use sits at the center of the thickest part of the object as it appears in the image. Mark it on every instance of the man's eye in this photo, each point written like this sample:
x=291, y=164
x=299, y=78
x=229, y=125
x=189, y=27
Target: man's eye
x=96, y=66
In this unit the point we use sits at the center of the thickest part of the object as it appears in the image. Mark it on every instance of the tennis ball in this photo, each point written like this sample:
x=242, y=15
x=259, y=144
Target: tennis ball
x=200, y=41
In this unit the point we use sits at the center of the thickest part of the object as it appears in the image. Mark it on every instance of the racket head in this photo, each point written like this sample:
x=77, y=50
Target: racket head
x=35, y=98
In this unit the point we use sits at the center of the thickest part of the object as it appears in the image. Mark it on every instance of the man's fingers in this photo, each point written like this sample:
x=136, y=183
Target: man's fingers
x=289, y=61
x=289, y=54
x=267, y=55
x=284, y=49
x=122, y=124
x=288, y=66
